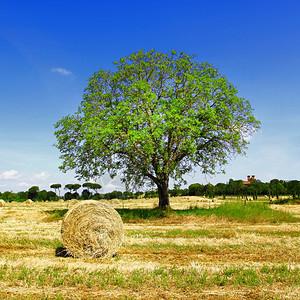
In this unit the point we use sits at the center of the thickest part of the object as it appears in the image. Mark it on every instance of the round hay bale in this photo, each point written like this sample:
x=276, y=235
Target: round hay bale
x=2, y=203
x=92, y=229
x=73, y=201
x=114, y=201
x=61, y=200
x=28, y=201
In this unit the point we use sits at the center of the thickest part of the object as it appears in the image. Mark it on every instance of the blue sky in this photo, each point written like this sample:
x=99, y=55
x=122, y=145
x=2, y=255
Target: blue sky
x=48, y=50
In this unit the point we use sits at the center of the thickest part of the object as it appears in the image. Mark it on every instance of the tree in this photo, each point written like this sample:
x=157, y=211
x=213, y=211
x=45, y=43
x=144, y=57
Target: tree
x=196, y=189
x=235, y=187
x=255, y=187
x=156, y=117
x=8, y=196
x=221, y=189
x=95, y=187
x=42, y=195
x=128, y=195
x=138, y=195
x=51, y=196
x=293, y=187
x=276, y=187
x=87, y=185
x=33, y=192
x=73, y=187
x=23, y=195
x=175, y=191
x=56, y=186
x=209, y=190
x=68, y=196
x=86, y=194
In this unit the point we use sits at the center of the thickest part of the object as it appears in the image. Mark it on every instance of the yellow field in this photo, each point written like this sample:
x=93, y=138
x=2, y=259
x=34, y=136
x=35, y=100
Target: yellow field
x=171, y=258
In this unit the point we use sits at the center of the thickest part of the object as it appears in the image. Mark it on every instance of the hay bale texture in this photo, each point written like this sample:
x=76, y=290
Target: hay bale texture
x=92, y=229
x=2, y=203
x=28, y=201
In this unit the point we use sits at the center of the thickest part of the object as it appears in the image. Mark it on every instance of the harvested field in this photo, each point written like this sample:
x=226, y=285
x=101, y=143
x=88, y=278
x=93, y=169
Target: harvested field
x=175, y=257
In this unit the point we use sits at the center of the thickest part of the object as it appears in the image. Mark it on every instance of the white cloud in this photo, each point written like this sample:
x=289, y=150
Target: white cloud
x=62, y=71
x=110, y=185
x=23, y=184
x=41, y=176
x=11, y=174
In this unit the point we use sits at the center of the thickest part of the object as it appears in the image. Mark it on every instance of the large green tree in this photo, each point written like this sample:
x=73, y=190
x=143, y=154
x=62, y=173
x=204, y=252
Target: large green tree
x=155, y=117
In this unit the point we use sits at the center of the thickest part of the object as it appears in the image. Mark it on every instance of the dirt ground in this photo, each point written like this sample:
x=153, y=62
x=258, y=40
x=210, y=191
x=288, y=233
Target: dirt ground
x=207, y=246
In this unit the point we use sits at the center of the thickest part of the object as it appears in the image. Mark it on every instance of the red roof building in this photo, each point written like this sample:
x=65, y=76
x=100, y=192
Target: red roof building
x=249, y=180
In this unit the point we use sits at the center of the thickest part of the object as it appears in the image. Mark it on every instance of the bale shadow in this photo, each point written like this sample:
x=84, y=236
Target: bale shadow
x=62, y=252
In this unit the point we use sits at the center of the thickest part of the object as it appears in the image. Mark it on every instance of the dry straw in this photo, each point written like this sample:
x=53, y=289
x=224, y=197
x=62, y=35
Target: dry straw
x=92, y=229
x=28, y=201
x=2, y=203
x=72, y=202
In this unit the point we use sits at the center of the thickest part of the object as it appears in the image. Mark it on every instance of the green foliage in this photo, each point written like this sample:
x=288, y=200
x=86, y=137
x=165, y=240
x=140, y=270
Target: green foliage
x=51, y=195
x=22, y=196
x=42, y=195
x=151, y=194
x=113, y=195
x=196, y=189
x=277, y=188
x=137, y=195
x=55, y=186
x=33, y=192
x=293, y=187
x=8, y=196
x=85, y=194
x=157, y=116
x=128, y=195
x=68, y=196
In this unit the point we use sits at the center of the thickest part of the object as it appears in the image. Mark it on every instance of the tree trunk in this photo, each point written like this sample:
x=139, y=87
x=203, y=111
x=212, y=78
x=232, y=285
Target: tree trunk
x=163, y=193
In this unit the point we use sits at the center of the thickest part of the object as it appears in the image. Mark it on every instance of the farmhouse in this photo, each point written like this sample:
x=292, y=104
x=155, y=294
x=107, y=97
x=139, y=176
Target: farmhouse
x=249, y=180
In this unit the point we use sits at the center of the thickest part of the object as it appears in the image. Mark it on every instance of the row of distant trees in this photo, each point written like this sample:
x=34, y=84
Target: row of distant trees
x=273, y=189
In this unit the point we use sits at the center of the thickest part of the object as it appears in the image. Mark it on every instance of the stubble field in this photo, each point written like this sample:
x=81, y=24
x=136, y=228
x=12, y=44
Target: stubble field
x=175, y=257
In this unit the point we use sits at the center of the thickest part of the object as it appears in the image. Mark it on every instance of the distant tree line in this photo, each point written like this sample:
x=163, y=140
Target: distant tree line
x=234, y=188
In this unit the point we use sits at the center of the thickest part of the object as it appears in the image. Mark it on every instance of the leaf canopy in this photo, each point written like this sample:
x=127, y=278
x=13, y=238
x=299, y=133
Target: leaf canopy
x=157, y=116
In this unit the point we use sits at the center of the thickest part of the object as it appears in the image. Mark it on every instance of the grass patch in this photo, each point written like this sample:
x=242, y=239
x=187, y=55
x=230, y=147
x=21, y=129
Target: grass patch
x=287, y=201
x=19, y=243
x=55, y=215
x=177, y=279
x=254, y=212
x=291, y=234
x=188, y=233
x=134, y=215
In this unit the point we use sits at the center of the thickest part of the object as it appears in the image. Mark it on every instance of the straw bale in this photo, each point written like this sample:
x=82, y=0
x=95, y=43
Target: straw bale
x=114, y=201
x=2, y=203
x=73, y=201
x=61, y=200
x=28, y=201
x=92, y=229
